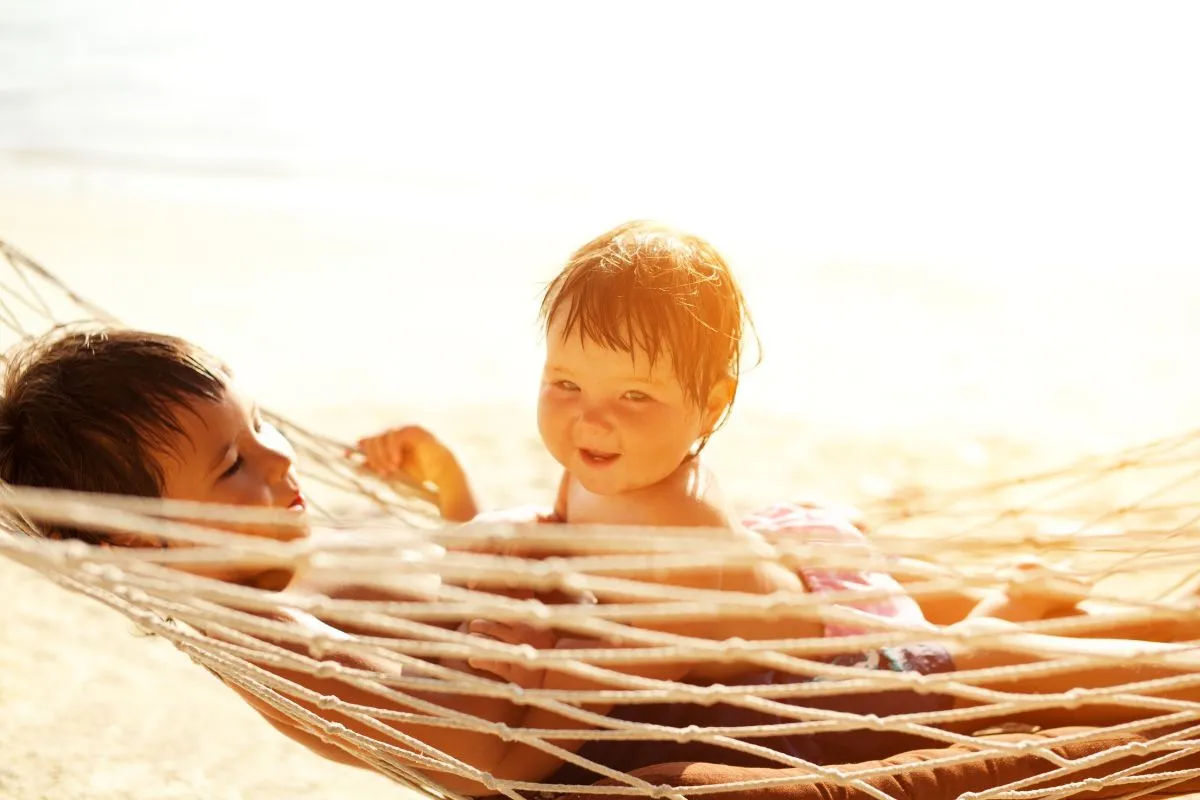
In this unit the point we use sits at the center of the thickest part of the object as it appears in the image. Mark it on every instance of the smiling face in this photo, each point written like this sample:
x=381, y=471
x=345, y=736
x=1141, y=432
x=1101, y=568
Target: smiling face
x=666, y=301
x=617, y=421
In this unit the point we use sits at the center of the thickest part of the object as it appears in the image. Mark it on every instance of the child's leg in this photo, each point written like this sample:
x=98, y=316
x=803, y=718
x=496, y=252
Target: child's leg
x=1161, y=629
x=1033, y=602
x=1104, y=619
x=1029, y=648
x=1023, y=601
x=951, y=605
x=1035, y=591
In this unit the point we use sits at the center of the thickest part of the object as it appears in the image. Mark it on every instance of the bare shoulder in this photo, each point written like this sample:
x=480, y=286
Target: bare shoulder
x=693, y=497
x=686, y=510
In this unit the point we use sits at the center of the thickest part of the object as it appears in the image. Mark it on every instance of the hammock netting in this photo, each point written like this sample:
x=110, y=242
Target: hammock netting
x=1117, y=523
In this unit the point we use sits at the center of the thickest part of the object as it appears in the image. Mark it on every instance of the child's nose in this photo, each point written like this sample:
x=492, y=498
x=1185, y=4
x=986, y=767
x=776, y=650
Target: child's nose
x=279, y=461
x=594, y=419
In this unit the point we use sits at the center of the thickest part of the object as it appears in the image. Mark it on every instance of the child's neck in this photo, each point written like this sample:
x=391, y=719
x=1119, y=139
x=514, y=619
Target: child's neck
x=690, y=485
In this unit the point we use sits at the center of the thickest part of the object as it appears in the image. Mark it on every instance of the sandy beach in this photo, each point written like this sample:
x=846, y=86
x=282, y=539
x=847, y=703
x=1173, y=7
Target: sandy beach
x=875, y=378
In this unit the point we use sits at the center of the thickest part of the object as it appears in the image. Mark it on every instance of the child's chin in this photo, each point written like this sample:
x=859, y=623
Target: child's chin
x=283, y=533
x=301, y=530
x=603, y=486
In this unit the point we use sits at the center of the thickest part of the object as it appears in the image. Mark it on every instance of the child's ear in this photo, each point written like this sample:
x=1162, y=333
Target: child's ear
x=719, y=399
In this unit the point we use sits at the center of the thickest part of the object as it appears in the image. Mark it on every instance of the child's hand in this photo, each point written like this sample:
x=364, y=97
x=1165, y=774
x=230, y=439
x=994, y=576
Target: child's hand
x=415, y=453
x=517, y=633
x=411, y=451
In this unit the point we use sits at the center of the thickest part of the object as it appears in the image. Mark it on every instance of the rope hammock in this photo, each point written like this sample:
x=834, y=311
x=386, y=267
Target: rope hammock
x=1106, y=519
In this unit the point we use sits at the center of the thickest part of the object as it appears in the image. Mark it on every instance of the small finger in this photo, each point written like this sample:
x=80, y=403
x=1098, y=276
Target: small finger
x=378, y=457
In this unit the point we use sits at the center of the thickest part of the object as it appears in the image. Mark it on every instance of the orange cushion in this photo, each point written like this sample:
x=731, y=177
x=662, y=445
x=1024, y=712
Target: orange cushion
x=922, y=783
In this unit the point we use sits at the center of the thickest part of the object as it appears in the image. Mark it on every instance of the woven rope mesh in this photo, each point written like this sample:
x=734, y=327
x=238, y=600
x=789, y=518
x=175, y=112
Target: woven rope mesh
x=380, y=679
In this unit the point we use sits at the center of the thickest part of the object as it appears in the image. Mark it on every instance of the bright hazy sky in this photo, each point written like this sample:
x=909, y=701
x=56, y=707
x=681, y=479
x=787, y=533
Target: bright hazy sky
x=1018, y=134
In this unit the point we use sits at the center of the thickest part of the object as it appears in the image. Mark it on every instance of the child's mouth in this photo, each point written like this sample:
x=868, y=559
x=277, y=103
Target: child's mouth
x=597, y=458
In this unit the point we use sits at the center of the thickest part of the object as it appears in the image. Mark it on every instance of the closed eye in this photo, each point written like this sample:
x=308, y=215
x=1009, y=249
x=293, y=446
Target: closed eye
x=233, y=468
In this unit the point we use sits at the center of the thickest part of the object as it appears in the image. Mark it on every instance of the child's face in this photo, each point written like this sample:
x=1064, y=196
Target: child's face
x=612, y=420
x=229, y=455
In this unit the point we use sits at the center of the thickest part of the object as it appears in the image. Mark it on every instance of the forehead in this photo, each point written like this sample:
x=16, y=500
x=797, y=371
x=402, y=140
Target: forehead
x=574, y=351
x=206, y=427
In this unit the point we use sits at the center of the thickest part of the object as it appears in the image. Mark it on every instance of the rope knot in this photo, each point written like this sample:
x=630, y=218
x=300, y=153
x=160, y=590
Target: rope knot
x=319, y=646
x=327, y=669
x=689, y=734
x=735, y=649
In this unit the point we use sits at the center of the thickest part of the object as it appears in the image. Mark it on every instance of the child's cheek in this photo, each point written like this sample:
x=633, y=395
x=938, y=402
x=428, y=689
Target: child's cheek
x=647, y=415
x=561, y=403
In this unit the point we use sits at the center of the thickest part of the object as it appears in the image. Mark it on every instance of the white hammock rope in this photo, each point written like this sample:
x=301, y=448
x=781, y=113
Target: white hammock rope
x=208, y=626
x=387, y=536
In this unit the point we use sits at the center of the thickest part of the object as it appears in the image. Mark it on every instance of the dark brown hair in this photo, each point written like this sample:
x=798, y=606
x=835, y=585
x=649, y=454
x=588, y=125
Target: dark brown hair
x=648, y=286
x=86, y=411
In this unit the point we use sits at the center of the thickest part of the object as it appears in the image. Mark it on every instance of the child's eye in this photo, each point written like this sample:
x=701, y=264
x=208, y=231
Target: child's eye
x=566, y=386
x=636, y=396
x=233, y=468
x=257, y=421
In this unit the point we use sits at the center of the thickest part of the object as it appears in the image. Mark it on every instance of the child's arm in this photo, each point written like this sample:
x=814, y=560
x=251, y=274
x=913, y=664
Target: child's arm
x=481, y=750
x=508, y=760
x=415, y=452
